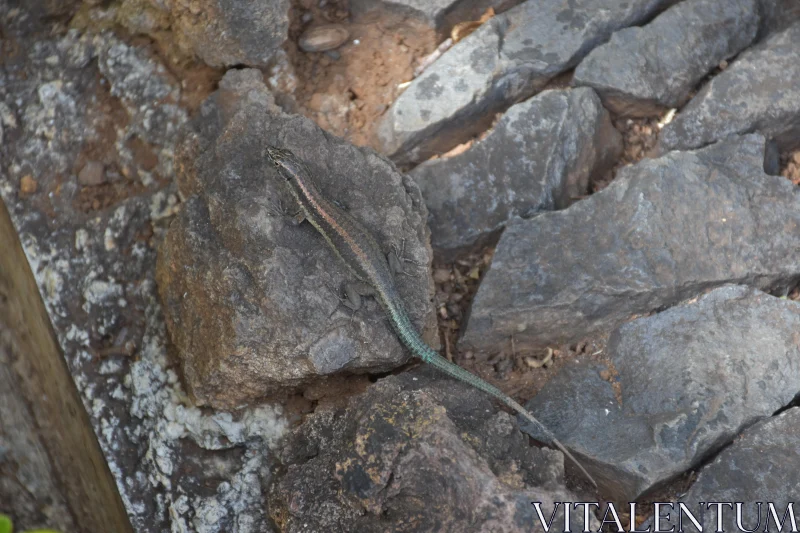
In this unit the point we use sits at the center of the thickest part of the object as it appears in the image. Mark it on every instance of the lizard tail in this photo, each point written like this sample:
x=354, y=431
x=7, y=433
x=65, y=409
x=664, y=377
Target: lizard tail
x=459, y=373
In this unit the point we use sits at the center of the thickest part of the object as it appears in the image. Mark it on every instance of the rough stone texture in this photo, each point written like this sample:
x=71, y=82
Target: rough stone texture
x=760, y=466
x=682, y=384
x=504, y=61
x=539, y=157
x=662, y=231
x=250, y=299
x=221, y=33
x=777, y=15
x=642, y=71
x=440, y=15
x=231, y=32
x=416, y=454
x=92, y=251
x=757, y=92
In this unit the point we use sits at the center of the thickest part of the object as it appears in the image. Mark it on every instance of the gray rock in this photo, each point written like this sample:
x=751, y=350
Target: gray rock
x=177, y=468
x=145, y=87
x=416, y=454
x=777, y=15
x=504, y=61
x=677, y=386
x=251, y=300
x=760, y=466
x=642, y=71
x=539, y=157
x=440, y=15
x=663, y=230
x=224, y=33
x=757, y=92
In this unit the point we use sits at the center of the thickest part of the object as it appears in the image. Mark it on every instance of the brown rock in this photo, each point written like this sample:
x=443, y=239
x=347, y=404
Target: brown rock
x=27, y=185
x=92, y=173
x=323, y=38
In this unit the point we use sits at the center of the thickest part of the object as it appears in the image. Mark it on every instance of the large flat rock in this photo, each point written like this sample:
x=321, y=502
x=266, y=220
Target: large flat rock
x=253, y=301
x=643, y=71
x=540, y=156
x=662, y=231
x=759, y=467
x=506, y=60
x=675, y=387
x=757, y=92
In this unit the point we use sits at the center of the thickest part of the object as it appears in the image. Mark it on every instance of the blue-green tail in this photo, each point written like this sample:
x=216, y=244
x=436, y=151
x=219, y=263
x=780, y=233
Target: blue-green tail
x=409, y=336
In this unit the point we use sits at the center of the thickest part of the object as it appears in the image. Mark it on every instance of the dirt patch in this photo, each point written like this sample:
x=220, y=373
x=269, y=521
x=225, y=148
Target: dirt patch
x=639, y=138
x=518, y=373
x=346, y=90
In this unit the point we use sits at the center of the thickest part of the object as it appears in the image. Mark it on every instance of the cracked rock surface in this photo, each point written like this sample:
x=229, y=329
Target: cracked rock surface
x=675, y=387
x=506, y=60
x=737, y=101
x=664, y=230
x=251, y=298
x=641, y=71
x=540, y=156
x=760, y=466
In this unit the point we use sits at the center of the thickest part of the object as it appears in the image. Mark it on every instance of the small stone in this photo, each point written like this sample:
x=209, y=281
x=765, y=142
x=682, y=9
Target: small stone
x=27, y=185
x=92, y=173
x=323, y=38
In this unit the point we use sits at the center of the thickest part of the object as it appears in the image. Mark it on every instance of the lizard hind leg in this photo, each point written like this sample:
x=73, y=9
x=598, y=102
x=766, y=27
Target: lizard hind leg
x=353, y=291
x=396, y=258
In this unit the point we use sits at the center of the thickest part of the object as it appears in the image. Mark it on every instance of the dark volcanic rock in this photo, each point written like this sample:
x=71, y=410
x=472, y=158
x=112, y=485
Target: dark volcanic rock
x=760, y=466
x=539, y=157
x=642, y=71
x=675, y=387
x=416, y=454
x=757, y=92
x=777, y=15
x=504, y=61
x=663, y=230
x=251, y=300
x=440, y=15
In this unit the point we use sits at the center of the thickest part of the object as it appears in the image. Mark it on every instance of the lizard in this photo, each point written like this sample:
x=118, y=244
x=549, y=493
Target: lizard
x=359, y=251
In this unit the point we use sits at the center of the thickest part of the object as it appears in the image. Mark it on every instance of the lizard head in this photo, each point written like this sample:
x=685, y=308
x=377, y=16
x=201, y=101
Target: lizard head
x=288, y=165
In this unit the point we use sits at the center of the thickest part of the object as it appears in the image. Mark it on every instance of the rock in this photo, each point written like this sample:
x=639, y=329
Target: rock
x=145, y=87
x=643, y=71
x=93, y=173
x=225, y=33
x=323, y=38
x=539, y=157
x=251, y=301
x=440, y=15
x=777, y=15
x=759, y=467
x=414, y=454
x=730, y=365
x=757, y=92
x=177, y=468
x=663, y=230
x=506, y=60
x=27, y=185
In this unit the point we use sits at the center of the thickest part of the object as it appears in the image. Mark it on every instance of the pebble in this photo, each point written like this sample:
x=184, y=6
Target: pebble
x=27, y=185
x=323, y=38
x=92, y=173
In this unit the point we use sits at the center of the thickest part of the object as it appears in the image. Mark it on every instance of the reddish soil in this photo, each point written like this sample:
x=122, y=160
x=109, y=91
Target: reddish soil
x=346, y=90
